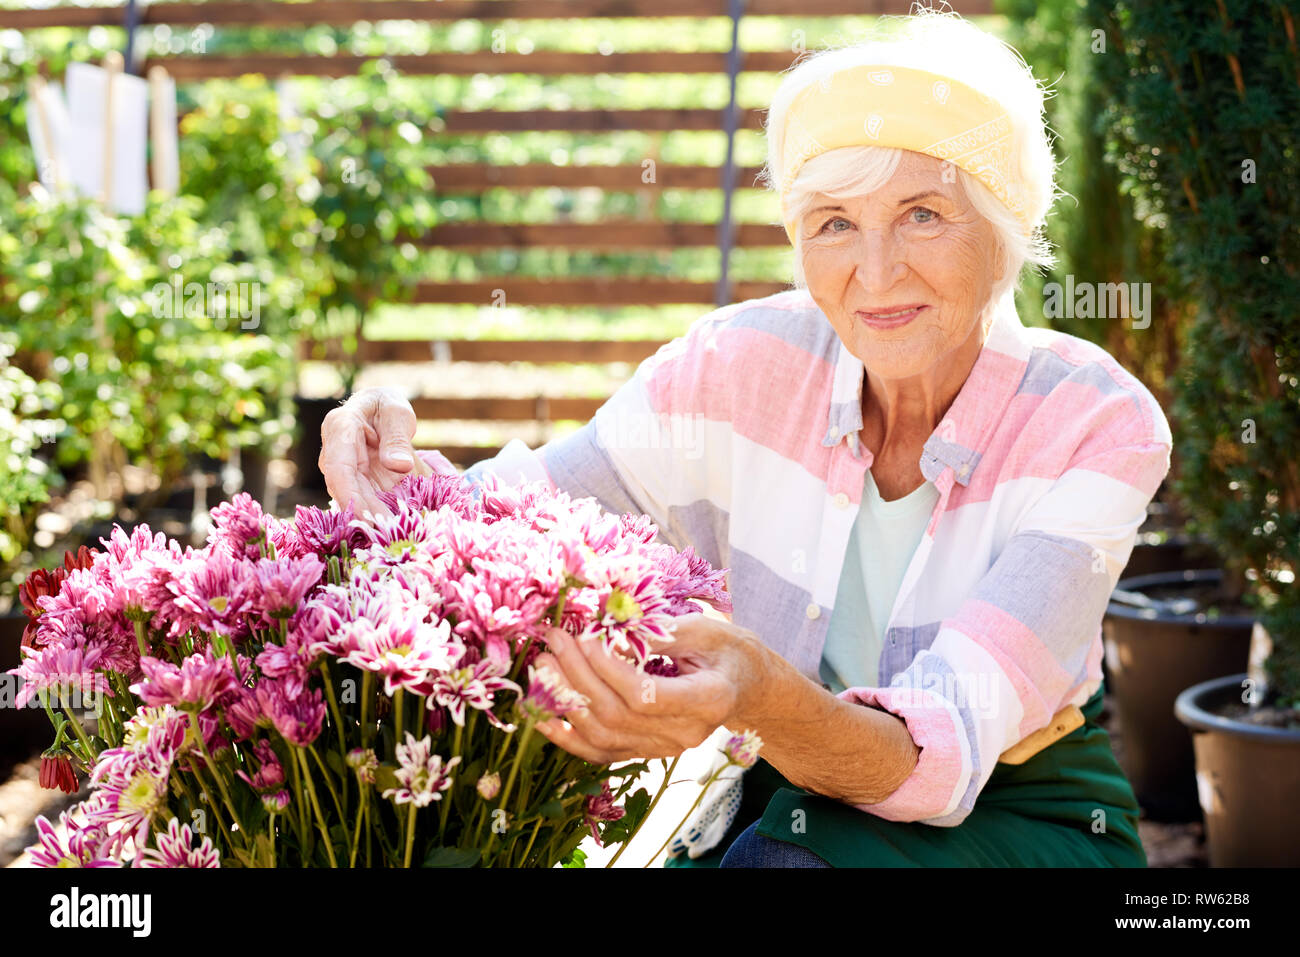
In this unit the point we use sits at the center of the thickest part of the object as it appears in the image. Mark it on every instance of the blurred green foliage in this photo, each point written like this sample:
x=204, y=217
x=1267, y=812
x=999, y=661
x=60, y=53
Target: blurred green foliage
x=1203, y=123
x=28, y=426
x=145, y=377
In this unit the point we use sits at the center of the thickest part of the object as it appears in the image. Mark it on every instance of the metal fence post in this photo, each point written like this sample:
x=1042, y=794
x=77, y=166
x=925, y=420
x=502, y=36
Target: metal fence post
x=726, y=228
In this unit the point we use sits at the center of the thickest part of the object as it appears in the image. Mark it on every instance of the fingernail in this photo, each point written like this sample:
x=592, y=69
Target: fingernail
x=399, y=456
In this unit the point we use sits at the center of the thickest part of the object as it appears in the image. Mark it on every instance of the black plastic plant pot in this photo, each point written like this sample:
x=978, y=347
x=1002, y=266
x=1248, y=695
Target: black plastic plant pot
x=24, y=732
x=310, y=414
x=1177, y=553
x=1248, y=777
x=1151, y=657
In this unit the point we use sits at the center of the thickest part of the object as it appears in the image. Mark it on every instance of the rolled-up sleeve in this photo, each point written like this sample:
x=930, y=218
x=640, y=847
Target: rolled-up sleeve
x=1026, y=642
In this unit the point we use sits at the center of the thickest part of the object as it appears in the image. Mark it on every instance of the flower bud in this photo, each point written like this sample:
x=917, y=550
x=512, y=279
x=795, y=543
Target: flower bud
x=364, y=762
x=489, y=785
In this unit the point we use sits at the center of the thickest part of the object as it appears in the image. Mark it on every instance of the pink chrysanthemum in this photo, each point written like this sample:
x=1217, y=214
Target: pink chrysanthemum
x=175, y=848
x=283, y=584
x=200, y=682
x=299, y=720
x=244, y=715
x=323, y=533
x=634, y=613
x=474, y=685
x=238, y=527
x=405, y=651
x=215, y=593
x=422, y=774
x=131, y=789
x=685, y=575
x=430, y=493
x=65, y=673
x=270, y=775
x=547, y=695
x=83, y=845
x=600, y=807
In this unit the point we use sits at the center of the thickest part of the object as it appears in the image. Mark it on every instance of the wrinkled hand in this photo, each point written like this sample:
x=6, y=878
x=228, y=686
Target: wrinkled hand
x=635, y=715
x=366, y=449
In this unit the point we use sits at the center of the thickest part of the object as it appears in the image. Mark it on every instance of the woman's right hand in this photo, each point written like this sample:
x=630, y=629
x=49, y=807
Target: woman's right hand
x=366, y=449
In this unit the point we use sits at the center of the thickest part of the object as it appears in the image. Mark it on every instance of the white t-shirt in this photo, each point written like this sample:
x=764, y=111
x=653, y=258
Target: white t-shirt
x=884, y=538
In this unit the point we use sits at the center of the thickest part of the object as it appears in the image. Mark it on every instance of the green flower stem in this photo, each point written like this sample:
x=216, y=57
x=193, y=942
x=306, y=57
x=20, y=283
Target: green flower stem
x=446, y=805
x=663, y=787
x=397, y=713
x=89, y=754
x=299, y=819
x=55, y=722
x=369, y=833
x=334, y=710
x=329, y=783
x=367, y=692
x=216, y=774
x=140, y=641
x=189, y=793
x=107, y=724
x=510, y=781
x=536, y=827
x=559, y=608
x=410, y=835
x=698, y=798
x=356, y=833
x=205, y=792
x=315, y=804
x=270, y=831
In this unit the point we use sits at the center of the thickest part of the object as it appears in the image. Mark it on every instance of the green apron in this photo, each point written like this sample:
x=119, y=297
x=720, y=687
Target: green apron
x=1067, y=806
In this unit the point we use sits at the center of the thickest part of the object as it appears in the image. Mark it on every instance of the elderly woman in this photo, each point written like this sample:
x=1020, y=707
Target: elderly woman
x=923, y=503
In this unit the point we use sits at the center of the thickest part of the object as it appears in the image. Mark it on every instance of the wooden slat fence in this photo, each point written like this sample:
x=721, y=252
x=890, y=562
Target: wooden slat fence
x=475, y=178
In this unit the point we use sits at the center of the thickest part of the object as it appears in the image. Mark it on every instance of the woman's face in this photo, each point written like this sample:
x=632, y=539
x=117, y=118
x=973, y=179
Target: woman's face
x=915, y=242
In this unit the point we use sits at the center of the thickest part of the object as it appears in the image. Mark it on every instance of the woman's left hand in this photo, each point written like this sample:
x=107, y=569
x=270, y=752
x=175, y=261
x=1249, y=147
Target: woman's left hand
x=635, y=715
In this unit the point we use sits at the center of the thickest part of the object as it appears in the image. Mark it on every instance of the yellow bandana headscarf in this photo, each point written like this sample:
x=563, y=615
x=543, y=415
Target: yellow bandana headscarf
x=909, y=109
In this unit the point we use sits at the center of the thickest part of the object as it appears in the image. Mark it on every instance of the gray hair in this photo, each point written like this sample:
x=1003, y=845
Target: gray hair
x=945, y=44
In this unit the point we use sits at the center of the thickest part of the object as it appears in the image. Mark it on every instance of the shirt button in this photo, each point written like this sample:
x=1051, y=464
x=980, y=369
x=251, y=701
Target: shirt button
x=813, y=611
x=841, y=500
x=835, y=433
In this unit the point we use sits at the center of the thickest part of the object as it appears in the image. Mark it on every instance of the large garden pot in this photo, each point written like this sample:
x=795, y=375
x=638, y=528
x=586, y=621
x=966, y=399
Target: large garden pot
x=310, y=415
x=24, y=732
x=1173, y=553
x=1248, y=776
x=1150, y=658
x=253, y=466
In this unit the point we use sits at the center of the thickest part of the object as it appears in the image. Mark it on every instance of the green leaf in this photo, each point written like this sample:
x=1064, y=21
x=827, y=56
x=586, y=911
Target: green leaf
x=577, y=859
x=622, y=830
x=336, y=764
x=551, y=809
x=451, y=857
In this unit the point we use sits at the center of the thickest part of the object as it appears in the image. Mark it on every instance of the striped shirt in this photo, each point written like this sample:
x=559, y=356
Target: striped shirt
x=741, y=438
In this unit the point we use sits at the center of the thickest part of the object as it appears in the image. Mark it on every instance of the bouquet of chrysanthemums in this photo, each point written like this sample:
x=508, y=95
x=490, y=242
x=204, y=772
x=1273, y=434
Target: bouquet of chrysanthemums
x=328, y=691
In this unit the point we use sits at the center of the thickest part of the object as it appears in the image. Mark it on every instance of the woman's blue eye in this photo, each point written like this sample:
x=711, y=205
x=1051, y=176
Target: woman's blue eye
x=923, y=209
x=834, y=219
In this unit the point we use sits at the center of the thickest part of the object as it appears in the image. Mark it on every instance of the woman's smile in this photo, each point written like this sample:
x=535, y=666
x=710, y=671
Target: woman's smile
x=890, y=318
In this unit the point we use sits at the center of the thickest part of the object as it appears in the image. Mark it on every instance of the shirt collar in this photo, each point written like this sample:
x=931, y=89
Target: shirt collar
x=957, y=441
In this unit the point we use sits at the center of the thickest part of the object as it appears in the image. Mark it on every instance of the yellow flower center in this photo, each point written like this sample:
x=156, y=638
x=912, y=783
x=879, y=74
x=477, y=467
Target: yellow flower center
x=621, y=607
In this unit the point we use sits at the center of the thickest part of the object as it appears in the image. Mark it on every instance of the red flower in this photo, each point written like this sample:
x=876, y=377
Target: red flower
x=57, y=773
x=600, y=807
x=662, y=667
x=44, y=582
